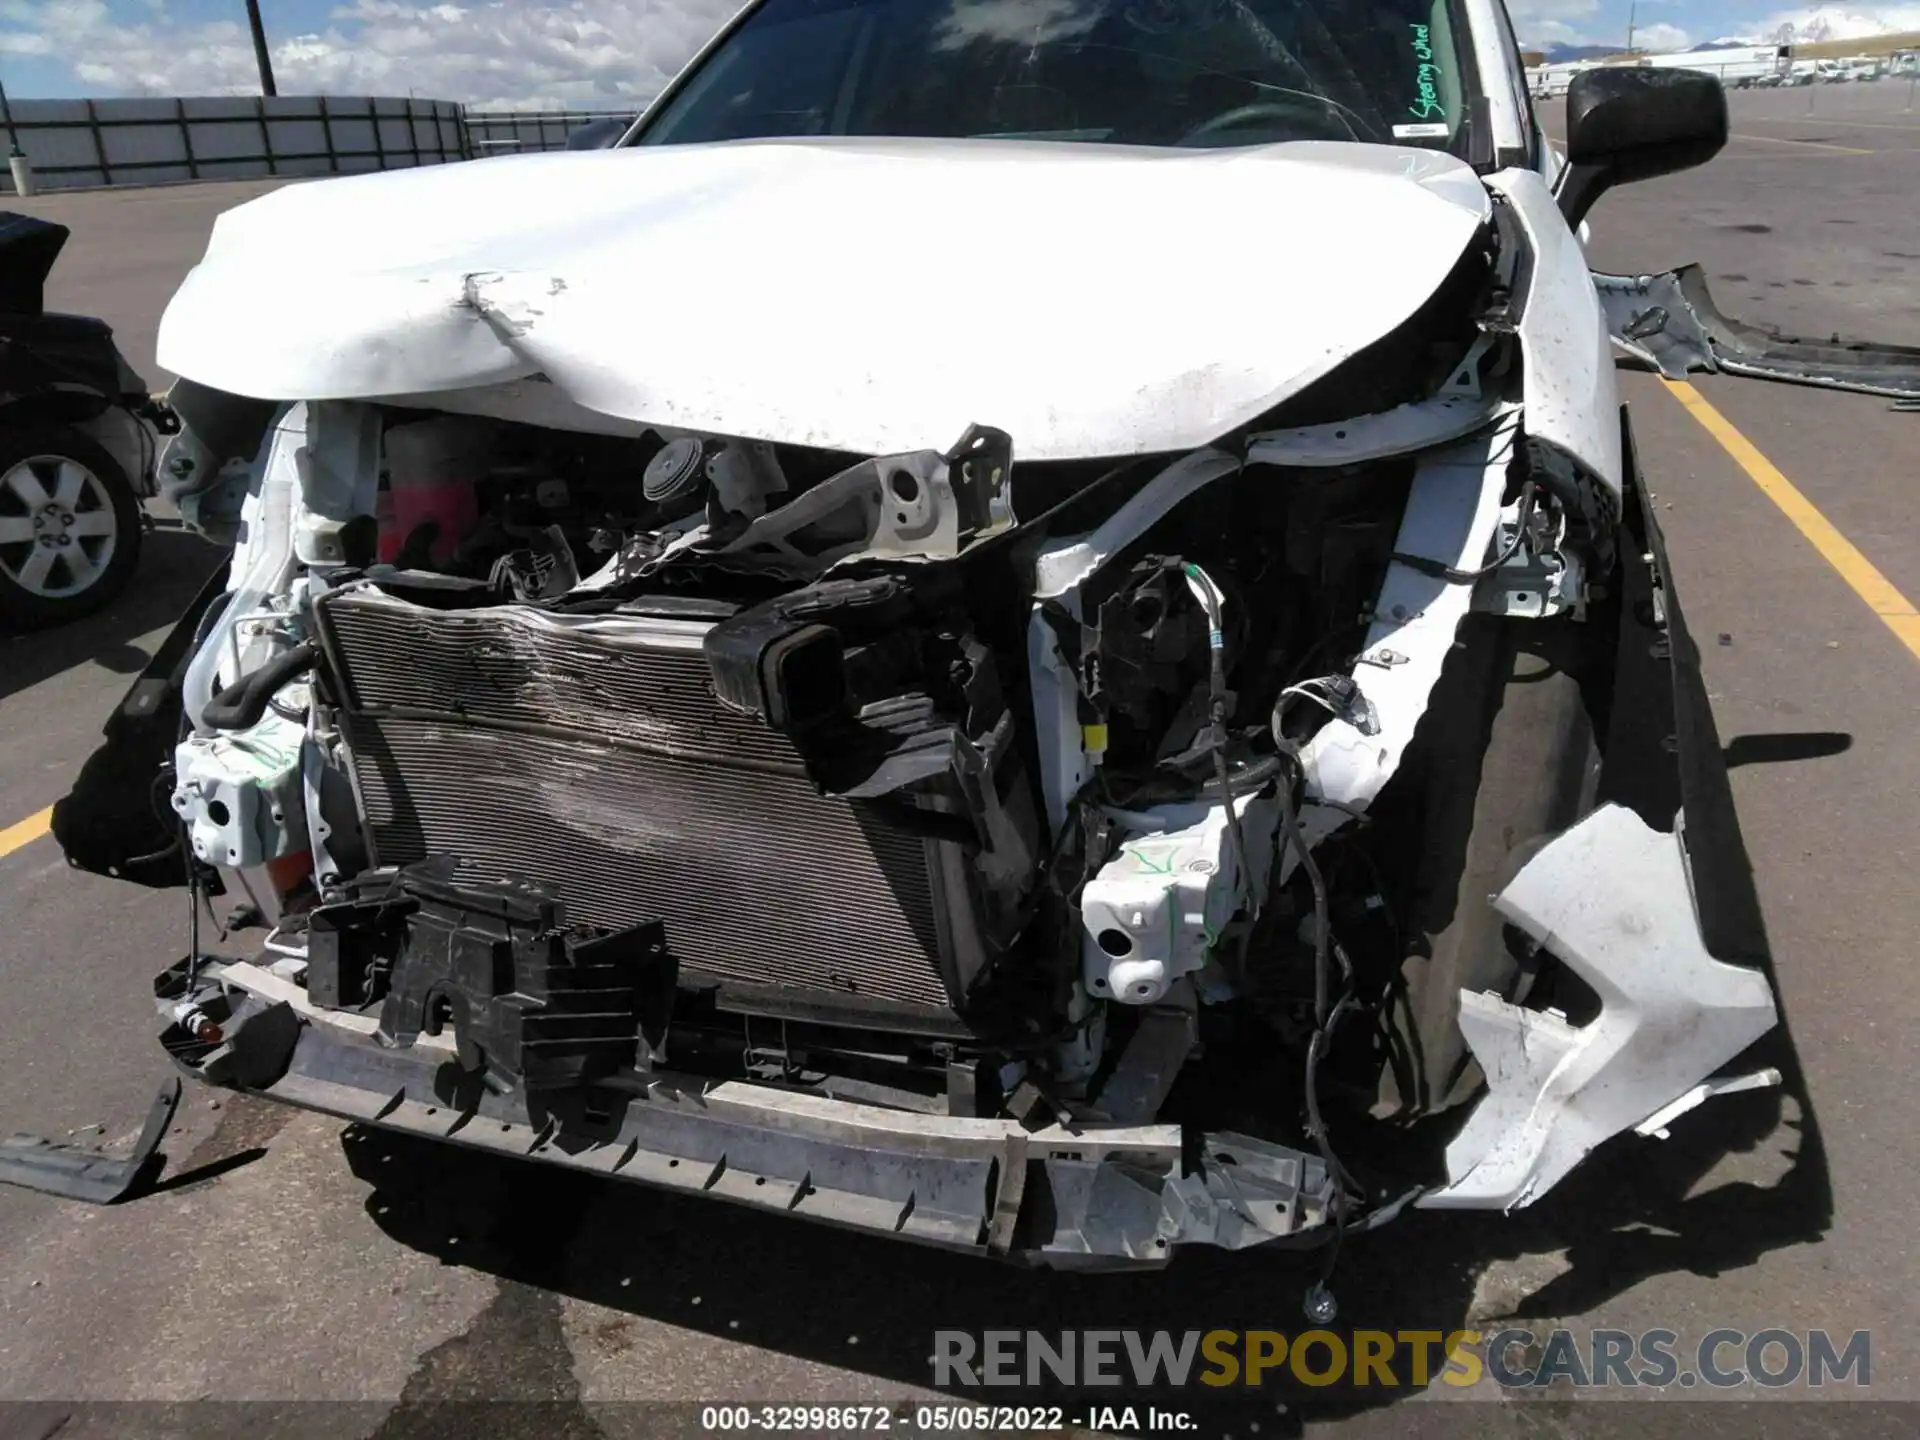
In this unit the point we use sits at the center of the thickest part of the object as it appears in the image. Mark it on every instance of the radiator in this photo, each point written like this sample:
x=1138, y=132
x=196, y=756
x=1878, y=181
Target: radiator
x=589, y=753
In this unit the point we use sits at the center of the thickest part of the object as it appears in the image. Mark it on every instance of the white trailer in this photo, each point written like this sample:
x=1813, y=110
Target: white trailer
x=1739, y=67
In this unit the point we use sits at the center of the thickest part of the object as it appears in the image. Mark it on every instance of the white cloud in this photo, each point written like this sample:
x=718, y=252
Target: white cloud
x=603, y=54
x=611, y=54
x=1578, y=22
x=1833, y=22
x=1661, y=36
x=1554, y=22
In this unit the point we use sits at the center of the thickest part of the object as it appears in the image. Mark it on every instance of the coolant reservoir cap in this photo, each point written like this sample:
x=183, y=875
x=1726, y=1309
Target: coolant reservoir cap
x=676, y=471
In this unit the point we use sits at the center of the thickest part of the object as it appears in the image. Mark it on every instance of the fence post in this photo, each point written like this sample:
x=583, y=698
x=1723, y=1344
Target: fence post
x=379, y=145
x=186, y=137
x=266, y=135
x=326, y=135
x=99, y=145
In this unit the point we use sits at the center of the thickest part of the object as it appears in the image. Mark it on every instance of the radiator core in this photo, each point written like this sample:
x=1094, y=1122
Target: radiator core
x=589, y=753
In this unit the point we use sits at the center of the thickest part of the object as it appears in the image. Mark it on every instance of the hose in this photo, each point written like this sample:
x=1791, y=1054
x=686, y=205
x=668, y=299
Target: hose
x=1326, y=1015
x=241, y=705
x=1161, y=788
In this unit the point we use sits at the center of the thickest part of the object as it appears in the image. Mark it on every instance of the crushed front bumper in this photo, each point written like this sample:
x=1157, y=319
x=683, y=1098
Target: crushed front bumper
x=1101, y=1197
x=1650, y=899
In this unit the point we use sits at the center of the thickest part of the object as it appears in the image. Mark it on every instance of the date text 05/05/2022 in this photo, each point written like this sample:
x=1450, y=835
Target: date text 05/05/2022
x=937, y=1418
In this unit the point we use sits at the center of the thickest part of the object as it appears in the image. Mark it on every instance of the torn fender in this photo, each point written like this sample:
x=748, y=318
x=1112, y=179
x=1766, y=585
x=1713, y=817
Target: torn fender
x=1611, y=899
x=1669, y=323
x=1665, y=926
x=1572, y=398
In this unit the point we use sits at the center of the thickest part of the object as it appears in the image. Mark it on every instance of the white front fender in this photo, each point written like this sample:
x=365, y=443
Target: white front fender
x=1572, y=400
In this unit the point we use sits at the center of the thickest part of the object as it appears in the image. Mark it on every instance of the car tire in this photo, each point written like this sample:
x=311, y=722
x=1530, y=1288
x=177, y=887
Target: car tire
x=70, y=526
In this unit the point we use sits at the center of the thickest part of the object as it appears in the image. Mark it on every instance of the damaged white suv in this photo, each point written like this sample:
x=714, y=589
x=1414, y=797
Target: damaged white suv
x=1027, y=624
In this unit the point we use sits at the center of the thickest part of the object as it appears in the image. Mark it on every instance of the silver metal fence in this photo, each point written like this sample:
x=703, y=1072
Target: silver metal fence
x=146, y=141
x=510, y=132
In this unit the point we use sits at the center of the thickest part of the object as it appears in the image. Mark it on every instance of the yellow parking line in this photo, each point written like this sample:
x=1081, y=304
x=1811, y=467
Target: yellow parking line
x=1838, y=551
x=25, y=832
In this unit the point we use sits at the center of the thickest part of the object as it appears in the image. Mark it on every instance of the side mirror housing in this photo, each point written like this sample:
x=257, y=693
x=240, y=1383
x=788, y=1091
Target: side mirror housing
x=1632, y=122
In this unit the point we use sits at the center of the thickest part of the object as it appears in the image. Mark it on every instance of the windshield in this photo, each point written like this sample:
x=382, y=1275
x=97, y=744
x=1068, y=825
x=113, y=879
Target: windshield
x=1127, y=72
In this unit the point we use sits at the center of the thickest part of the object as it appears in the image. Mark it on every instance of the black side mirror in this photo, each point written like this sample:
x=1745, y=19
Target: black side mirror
x=1632, y=122
x=599, y=134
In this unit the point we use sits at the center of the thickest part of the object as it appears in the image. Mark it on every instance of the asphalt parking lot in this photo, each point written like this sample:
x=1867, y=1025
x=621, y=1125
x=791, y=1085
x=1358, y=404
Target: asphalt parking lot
x=287, y=1260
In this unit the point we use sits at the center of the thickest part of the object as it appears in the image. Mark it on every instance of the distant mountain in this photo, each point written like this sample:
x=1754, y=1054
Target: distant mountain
x=1790, y=27
x=1559, y=54
x=1835, y=22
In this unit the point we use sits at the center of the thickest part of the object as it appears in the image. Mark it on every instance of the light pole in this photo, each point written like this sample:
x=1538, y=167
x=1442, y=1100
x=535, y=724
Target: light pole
x=16, y=157
x=260, y=48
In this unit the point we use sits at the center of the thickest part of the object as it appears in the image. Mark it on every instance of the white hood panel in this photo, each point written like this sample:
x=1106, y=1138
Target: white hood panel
x=870, y=296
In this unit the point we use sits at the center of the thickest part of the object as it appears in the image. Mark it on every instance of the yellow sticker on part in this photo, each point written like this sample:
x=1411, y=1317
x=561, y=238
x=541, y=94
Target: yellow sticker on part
x=1094, y=737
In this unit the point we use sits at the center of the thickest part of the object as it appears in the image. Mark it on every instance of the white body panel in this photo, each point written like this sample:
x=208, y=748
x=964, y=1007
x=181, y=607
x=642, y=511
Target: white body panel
x=871, y=296
x=1572, y=400
x=1610, y=897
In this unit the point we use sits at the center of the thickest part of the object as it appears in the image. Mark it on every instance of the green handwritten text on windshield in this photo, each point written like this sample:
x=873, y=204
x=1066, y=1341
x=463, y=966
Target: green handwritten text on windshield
x=1426, y=104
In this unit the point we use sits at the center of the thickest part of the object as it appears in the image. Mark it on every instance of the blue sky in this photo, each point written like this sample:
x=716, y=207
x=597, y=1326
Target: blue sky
x=600, y=53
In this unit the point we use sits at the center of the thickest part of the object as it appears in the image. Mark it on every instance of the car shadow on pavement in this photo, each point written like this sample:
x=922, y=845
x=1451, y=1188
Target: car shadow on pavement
x=173, y=566
x=1740, y=1177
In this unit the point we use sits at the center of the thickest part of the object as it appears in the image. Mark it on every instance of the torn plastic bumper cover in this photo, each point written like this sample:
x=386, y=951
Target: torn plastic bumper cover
x=1611, y=898
x=1663, y=925
x=1669, y=323
x=78, y=1172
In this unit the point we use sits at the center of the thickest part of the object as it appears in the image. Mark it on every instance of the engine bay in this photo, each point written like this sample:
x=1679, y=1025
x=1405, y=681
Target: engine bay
x=584, y=766
x=758, y=722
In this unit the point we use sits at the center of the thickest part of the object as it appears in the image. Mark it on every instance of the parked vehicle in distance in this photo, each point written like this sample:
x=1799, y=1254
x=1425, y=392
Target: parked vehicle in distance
x=76, y=453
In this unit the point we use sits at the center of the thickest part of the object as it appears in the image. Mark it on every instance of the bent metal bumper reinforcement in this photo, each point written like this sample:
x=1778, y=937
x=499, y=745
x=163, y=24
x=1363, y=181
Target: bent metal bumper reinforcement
x=1090, y=1196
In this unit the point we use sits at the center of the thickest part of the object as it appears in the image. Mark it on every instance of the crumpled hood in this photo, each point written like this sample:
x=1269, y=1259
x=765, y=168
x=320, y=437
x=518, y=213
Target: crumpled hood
x=870, y=296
